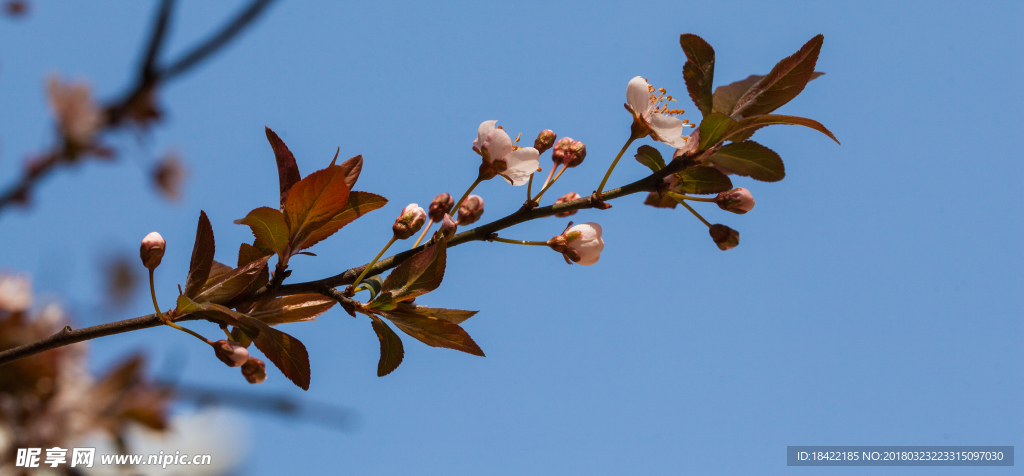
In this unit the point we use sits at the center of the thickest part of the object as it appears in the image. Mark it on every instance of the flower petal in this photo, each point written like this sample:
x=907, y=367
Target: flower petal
x=667, y=129
x=498, y=144
x=521, y=163
x=481, y=133
x=638, y=95
x=589, y=245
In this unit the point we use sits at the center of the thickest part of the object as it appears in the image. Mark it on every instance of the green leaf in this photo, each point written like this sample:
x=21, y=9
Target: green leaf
x=287, y=170
x=372, y=284
x=202, y=257
x=359, y=204
x=455, y=316
x=391, y=350
x=702, y=181
x=269, y=227
x=232, y=283
x=750, y=159
x=785, y=81
x=417, y=275
x=699, y=70
x=712, y=128
x=294, y=308
x=314, y=201
x=757, y=122
x=433, y=331
x=285, y=351
x=650, y=157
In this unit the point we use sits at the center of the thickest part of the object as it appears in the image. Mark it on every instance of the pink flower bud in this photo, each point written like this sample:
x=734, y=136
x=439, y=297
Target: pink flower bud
x=471, y=210
x=152, y=250
x=580, y=244
x=566, y=198
x=231, y=353
x=448, y=226
x=409, y=221
x=441, y=205
x=726, y=238
x=562, y=150
x=254, y=370
x=737, y=200
x=544, y=140
x=577, y=152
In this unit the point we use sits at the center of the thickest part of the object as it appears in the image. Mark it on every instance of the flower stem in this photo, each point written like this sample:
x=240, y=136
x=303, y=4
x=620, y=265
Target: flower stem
x=687, y=197
x=521, y=242
x=464, y=196
x=425, y=229
x=152, y=293
x=549, y=183
x=550, y=173
x=529, y=188
x=375, y=258
x=614, y=163
x=688, y=207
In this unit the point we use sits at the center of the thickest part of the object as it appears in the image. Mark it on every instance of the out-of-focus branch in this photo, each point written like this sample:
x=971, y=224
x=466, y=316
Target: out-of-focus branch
x=325, y=286
x=150, y=76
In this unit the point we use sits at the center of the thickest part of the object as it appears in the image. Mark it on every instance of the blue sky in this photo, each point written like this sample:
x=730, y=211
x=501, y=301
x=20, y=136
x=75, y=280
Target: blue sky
x=875, y=298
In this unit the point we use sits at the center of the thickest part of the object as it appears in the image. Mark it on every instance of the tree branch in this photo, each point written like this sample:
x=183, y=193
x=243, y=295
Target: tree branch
x=326, y=286
x=149, y=77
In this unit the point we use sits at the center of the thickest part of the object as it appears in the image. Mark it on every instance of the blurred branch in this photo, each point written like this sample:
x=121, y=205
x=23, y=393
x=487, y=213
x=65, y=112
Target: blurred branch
x=323, y=286
x=150, y=76
x=333, y=416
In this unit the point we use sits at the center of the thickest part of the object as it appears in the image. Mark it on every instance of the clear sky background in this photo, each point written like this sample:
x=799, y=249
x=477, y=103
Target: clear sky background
x=875, y=298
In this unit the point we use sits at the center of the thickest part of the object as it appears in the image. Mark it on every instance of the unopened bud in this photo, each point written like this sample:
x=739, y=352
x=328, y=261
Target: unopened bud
x=441, y=205
x=577, y=152
x=562, y=150
x=544, y=140
x=152, y=250
x=471, y=210
x=566, y=198
x=737, y=200
x=581, y=244
x=726, y=238
x=231, y=353
x=448, y=226
x=254, y=370
x=409, y=222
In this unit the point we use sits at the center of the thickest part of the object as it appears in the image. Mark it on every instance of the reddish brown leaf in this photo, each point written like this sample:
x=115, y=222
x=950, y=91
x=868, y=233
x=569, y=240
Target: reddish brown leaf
x=456, y=316
x=391, y=350
x=269, y=227
x=699, y=70
x=351, y=168
x=359, y=203
x=287, y=170
x=285, y=351
x=785, y=81
x=217, y=313
x=756, y=122
x=725, y=97
x=294, y=308
x=202, y=257
x=433, y=331
x=232, y=283
x=314, y=201
x=415, y=276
